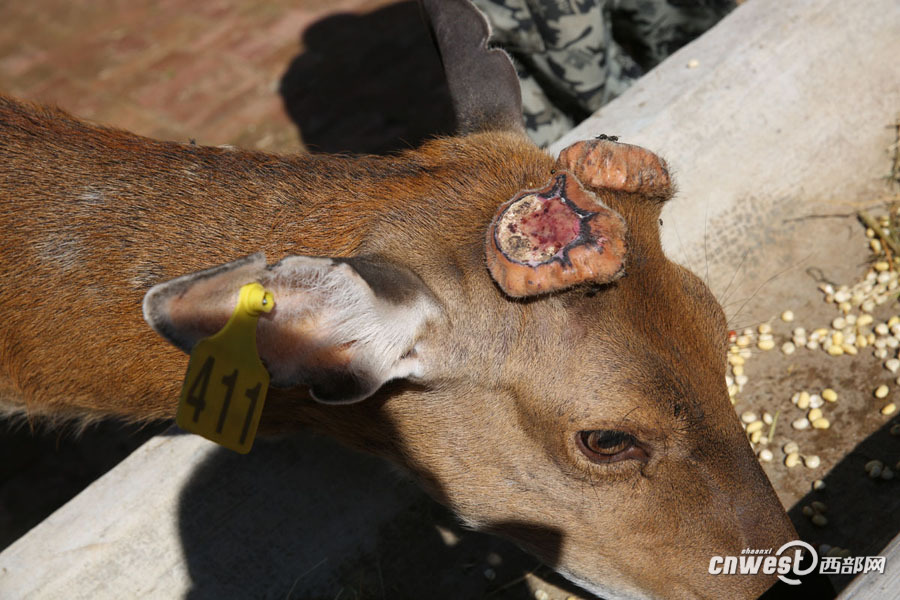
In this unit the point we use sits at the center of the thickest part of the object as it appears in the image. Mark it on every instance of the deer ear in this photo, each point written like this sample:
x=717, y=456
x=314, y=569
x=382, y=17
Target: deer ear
x=483, y=83
x=341, y=327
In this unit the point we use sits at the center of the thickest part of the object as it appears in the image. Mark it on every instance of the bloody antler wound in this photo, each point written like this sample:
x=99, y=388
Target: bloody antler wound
x=555, y=237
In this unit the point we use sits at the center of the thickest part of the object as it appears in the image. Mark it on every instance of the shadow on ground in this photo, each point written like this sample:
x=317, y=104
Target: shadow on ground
x=863, y=514
x=369, y=83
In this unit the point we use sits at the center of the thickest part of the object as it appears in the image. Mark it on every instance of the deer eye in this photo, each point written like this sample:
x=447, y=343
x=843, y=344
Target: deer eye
x=607, y=446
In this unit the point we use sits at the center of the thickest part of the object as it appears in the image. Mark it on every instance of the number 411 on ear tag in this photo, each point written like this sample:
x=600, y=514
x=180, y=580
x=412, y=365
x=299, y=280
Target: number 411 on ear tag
x=225, y=386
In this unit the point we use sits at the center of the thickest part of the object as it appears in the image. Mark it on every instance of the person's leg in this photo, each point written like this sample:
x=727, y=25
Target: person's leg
x=567, y=60
x=574, y=56
x=651, y=30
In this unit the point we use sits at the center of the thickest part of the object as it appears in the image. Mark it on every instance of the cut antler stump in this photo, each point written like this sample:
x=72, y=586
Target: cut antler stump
x=604, y=163
x=553, y=238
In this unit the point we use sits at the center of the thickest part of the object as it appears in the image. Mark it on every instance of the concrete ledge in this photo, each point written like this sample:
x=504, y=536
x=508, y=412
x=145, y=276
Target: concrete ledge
x=181, y=517
x=876, y=586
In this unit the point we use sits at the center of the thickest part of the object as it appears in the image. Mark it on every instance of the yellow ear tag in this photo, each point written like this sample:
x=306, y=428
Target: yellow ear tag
x=225, y=386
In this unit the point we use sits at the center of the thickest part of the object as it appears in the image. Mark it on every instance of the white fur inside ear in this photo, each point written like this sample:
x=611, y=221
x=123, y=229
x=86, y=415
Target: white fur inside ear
x=337, y=308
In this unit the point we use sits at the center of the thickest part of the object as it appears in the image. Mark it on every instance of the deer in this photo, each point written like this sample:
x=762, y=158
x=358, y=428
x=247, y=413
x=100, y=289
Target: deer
x=502, y=324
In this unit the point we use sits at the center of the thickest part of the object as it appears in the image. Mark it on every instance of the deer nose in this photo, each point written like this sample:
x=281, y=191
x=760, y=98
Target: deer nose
x=760, y=515
x=764, y=523
x=738, y=480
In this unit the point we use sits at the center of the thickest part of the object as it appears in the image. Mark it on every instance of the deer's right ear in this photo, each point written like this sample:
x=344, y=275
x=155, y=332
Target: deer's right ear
x=341, y=327
x=483, y=83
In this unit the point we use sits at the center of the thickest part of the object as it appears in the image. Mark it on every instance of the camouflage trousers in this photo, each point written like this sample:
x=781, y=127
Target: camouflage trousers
x=573, y=56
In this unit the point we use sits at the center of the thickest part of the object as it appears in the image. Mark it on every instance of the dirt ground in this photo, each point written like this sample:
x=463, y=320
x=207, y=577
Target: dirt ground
x=863, y=514
x=360, y=76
